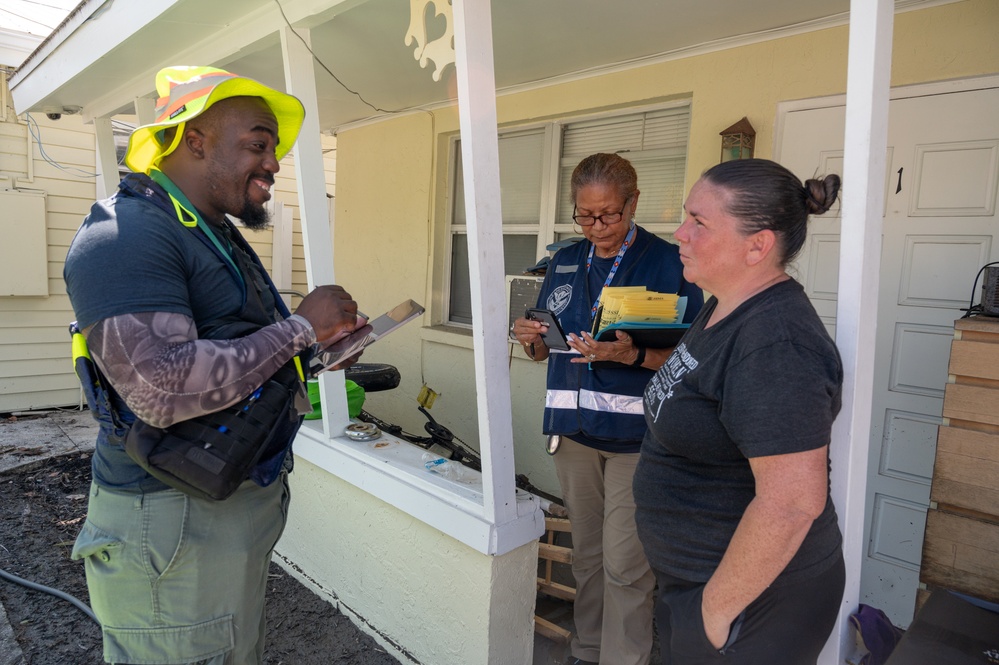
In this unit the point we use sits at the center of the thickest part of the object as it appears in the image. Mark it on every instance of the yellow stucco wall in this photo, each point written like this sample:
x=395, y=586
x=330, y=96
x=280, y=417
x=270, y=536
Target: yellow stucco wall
x=387, y=249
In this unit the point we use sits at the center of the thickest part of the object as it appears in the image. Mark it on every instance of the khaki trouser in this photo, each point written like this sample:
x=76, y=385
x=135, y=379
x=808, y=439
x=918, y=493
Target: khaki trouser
x=613, y=607
x=174, y=579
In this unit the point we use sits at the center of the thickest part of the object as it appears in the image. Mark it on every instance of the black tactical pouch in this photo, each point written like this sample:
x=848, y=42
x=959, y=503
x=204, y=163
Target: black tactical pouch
x=211, y=455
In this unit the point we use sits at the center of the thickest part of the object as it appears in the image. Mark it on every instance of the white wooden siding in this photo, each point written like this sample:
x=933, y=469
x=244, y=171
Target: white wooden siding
x=35, y=366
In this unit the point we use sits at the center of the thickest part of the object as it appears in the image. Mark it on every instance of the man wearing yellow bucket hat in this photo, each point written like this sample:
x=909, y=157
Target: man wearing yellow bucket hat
x=182, y=320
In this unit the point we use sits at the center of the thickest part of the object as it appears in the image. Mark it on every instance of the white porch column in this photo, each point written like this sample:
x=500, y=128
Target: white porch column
x=282, y=238
x=865, y=143
x=300, y=80
x=145, y=110
x=473, y=42
x=107, y=159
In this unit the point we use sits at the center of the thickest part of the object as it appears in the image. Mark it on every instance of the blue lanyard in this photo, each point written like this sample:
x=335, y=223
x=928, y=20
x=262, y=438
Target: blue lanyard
x=613, y=270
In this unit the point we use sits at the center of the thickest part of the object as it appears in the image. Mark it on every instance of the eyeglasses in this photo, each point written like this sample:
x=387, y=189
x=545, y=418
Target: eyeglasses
x=608, y=218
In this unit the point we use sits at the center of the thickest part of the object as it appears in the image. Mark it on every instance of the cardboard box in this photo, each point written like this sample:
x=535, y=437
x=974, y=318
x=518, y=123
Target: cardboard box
x=949, y=630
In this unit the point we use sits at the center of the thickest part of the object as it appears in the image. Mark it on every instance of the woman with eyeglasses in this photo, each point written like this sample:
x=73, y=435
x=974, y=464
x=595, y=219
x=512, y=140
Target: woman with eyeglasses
x=593, y=407
x=733, y=484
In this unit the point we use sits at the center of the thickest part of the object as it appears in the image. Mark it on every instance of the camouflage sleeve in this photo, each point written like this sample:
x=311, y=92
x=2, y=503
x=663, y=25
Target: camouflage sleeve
x=165, y=374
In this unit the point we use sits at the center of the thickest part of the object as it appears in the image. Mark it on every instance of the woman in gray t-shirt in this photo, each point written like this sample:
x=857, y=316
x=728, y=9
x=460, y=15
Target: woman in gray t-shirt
x=732, y=488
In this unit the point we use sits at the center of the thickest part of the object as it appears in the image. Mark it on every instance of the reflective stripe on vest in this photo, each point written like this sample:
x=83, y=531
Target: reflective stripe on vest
x=560, y=399
x=594, y=401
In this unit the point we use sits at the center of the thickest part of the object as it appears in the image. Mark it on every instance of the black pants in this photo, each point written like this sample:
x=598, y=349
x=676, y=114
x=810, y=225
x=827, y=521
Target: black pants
x=787, y=625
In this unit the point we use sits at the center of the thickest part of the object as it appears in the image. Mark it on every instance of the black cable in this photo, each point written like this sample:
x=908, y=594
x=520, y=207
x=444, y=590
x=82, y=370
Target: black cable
x=80, y=605
x=323, y=64
x=971, y=303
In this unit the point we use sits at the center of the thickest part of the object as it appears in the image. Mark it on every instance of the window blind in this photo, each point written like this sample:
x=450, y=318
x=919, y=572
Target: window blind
x=656, y=145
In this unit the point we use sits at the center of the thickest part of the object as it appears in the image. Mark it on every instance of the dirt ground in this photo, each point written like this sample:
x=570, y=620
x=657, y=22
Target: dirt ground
x=41, y=511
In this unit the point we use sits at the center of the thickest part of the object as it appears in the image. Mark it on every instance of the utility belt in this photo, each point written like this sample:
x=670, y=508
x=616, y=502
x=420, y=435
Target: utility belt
x=211, y=455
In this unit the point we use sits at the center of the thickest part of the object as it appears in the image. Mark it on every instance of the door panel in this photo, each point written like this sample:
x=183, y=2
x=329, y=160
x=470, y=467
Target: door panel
x=939, y=229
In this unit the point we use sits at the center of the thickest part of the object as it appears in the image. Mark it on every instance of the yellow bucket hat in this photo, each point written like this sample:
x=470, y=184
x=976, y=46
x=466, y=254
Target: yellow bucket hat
x=185, y=93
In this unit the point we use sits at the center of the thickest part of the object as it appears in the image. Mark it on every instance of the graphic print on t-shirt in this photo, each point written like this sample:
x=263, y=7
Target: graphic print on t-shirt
x=660, y=388
x=559, y=299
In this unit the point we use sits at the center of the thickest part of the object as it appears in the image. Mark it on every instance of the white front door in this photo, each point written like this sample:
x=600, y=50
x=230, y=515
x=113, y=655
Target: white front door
x=940, y=228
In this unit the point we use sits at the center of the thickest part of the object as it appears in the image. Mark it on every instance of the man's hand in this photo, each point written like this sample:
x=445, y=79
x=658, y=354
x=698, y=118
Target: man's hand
x=330, y=311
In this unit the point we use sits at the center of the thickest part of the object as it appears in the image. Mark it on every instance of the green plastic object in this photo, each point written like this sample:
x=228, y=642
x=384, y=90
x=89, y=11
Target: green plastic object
x=355, y=399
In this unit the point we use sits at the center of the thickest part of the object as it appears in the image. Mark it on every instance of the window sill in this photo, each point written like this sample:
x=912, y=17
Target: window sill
x=392, y=470
x=462, y=338
x=450, y=335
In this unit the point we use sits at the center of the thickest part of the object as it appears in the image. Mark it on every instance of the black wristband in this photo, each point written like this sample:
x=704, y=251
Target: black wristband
x=641, y=357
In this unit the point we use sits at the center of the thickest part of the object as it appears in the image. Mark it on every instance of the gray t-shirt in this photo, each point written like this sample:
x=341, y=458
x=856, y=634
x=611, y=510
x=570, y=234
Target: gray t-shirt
x=131, y=255
x=765, y=380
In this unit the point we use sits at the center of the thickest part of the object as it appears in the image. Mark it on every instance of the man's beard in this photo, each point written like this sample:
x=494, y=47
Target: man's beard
x=254, y=217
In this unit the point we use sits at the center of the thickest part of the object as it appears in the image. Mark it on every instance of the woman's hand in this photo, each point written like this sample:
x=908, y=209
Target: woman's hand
x=621, y=351
x=716, y=628
x=528, y=333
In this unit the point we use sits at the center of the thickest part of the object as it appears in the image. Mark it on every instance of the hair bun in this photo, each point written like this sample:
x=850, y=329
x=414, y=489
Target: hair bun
x=820, y=195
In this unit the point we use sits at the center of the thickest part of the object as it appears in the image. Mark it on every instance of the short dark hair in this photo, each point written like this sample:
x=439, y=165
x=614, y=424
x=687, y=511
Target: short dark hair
x=766, y=195
x=605, y=168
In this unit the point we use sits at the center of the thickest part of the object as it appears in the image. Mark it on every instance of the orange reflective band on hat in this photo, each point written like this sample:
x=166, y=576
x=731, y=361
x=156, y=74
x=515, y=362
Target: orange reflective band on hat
x=178, y=93
x=186, y=92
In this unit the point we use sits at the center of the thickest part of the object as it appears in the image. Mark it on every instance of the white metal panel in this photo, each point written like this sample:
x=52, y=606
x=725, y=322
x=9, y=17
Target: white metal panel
x=910, y=442
x=919, y=359
x=928, y=277
x=23, y=257
x=956, y=179
x=897, y=534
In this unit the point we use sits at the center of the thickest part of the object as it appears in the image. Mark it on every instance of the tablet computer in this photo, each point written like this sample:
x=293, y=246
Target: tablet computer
x=354, y=343
x=553, y=337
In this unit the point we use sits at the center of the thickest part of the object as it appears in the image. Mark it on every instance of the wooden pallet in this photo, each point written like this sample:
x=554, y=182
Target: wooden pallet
x=551, y=554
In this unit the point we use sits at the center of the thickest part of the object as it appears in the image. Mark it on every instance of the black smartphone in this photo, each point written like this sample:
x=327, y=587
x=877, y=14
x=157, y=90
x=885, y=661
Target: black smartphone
x=553, y=338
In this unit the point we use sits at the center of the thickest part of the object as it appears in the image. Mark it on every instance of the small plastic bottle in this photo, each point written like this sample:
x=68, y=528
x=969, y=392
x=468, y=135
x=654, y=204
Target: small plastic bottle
x=447, y=468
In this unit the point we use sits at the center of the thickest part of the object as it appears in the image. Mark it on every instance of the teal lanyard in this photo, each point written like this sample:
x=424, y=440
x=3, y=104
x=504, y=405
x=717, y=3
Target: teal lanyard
x=188, y=215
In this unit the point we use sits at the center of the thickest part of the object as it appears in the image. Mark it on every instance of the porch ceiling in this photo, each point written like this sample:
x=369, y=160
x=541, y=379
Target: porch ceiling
x=106, y=54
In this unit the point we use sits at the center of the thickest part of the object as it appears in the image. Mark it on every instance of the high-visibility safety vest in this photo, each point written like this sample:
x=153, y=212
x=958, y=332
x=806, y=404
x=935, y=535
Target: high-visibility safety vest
x=604, y=404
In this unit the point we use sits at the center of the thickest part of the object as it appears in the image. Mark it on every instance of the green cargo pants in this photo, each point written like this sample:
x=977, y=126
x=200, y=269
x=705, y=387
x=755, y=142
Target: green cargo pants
x=177, y=580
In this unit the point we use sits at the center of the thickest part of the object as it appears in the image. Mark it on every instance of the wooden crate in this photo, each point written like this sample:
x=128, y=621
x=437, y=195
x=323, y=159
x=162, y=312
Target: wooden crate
x=966, y=471
x=961, y=543
x=962, y=554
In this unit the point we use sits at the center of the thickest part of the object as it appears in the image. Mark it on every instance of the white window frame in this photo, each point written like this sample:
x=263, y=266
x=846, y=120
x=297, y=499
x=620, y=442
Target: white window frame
x=547, y=228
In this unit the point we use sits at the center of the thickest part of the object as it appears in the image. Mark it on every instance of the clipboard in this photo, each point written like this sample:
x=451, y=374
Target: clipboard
x=649, y=335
